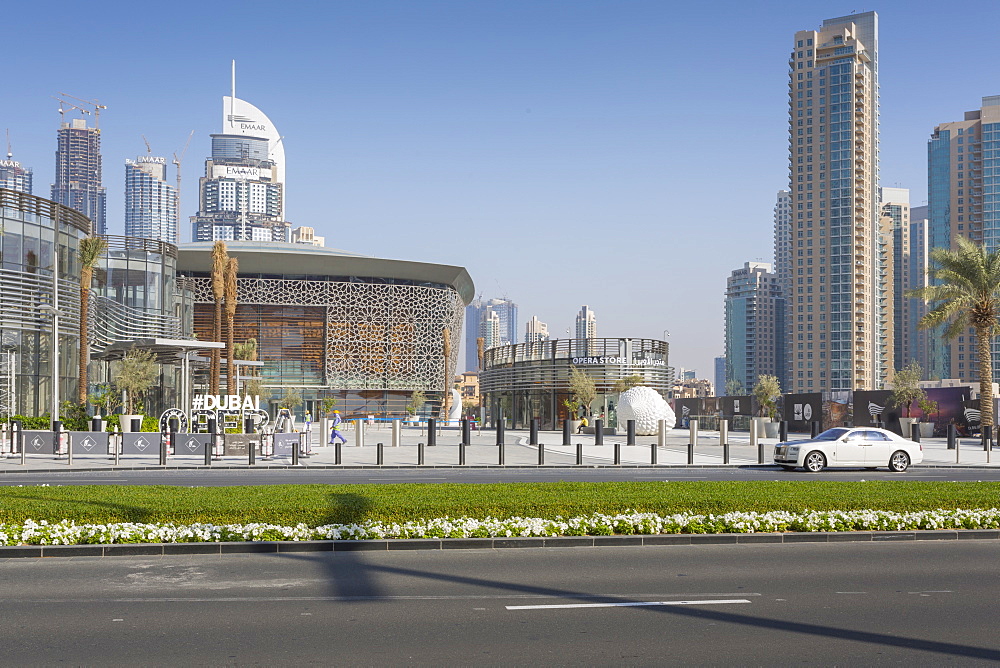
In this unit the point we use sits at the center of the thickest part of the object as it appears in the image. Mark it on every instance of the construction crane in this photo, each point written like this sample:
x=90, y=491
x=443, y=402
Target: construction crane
x=94, y=103
x=62, y=112
x=149, y=150
x=177, y=163
x=10, y=153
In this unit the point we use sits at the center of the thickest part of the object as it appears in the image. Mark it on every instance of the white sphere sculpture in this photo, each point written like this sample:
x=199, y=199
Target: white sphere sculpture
x=647, y=408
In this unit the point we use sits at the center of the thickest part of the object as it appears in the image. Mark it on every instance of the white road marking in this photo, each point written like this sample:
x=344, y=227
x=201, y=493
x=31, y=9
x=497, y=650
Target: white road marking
x=630, y=604
x=852, y=592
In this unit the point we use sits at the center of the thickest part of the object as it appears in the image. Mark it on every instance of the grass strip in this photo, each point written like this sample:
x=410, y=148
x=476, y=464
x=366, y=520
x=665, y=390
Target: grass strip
x=317, y=505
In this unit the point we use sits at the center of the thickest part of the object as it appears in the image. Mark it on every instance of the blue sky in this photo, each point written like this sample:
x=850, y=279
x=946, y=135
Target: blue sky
x=625, y=155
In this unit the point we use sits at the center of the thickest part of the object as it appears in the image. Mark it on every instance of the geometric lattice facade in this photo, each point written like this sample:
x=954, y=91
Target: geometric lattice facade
x=356, y=334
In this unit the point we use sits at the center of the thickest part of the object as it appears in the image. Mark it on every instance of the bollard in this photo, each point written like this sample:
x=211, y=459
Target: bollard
x=952, y=437
x=397, y=433
x=915, y=432
x=420, y=453
x=338, y=452
x=783, y=430
x=957, y=449
x=251, y=448
x=618, y=454
x=295, y=454
x=754, y=441
x=431, y=432
x=500, y=429
x=378, y=454
x=171, y=425
x=724, y=439
x=541, y=454
x=212, y=436
x=652, y=454
x=500, y=458
x=533, y=431
x=461, y=454
x=598, y=431
x=630, y=432
x=692, y=432
x=567, y=435
x=18, y=438
x=579, y=454
x=116, y=438
x=987, y=437
x=466, y=431
x=661, y=434
x=814, y=429
x=57, y=438
x=359, y=433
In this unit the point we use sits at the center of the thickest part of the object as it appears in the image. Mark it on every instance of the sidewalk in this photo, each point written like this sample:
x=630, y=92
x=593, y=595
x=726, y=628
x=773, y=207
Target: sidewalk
x=483, y=451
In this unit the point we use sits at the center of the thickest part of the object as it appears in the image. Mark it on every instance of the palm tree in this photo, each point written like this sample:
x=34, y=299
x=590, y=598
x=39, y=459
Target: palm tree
x=219, y=260
x=967, y=295
x=232, y=269
x=91, y=250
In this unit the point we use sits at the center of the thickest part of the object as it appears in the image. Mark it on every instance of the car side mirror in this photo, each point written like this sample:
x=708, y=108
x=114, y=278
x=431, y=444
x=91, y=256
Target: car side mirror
x=843, y=440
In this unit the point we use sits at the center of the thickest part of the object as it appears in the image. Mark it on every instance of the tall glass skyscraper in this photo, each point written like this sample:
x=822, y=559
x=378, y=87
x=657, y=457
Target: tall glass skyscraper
x=476, y=314
x=150, y=202
x=15, y=177
x=963, y=182
x=78, y=172
x=242, y=195
x=838, y=306
x=755, y=329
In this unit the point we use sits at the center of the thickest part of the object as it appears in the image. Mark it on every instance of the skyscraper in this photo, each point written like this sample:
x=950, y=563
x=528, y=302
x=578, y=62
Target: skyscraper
x=838, y=305
x=78, y=172
x=535, y=330
x=489, y=329
x=150, y=202
x=242, y=195
x=475, y=313
x=963, y=168
x=586, y=328
x=720, y=376
x=755, y=332
x=15, y=177
x=896, y=217
x=783, y=267
x=920, y=339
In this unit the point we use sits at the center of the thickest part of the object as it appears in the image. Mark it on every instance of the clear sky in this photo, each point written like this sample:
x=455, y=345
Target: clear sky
x=620, y=154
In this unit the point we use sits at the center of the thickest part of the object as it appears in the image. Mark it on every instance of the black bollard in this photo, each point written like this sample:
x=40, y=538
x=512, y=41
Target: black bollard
x=533, y=431
x=210, y=446
x=598, y=431
x=500, y=429
x=295, y=453
x=618, y=454
x=541, y=454
x=690, y=453
x=378, y=454
x=814, y=429
x=915, y=432
x=338, y=452
x=420, y=453
x=630, y=432
x=987, y=436
x=466, y=431
x=500, y=458
x=952, y=437
x=567, y=435
x=783, y=430
x=248, y=429
x=461, y=454
x=652, y=454
x=579, y=454
x=725, y=452
x=431, y=432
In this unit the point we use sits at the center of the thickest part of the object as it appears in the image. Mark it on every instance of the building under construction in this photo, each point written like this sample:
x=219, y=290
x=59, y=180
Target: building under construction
x=78, y=172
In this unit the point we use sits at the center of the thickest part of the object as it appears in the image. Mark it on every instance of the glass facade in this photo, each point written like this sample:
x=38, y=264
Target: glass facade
x=34, y=231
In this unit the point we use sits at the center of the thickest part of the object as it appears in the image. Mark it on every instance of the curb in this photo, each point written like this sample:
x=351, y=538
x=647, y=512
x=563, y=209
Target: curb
x=282, y=547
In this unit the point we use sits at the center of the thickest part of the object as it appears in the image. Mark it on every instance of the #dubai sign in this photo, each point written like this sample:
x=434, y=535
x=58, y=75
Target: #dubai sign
x=228, y=410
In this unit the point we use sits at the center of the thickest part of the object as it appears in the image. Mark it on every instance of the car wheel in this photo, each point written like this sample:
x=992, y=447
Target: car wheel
x=899, y=461
x=785, y=467
x=814, y=462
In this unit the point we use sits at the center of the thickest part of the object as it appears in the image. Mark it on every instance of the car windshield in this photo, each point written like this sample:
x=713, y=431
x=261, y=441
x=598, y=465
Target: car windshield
x=831, y=434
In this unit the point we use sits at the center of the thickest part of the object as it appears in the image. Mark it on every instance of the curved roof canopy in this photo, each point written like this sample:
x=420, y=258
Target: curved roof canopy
x=268, y=257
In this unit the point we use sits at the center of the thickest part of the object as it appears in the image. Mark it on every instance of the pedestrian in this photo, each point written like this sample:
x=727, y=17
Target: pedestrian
x=583, y=423
x=334, y=434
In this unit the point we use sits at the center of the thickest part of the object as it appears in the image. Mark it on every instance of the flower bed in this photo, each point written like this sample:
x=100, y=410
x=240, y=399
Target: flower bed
x=68, y=532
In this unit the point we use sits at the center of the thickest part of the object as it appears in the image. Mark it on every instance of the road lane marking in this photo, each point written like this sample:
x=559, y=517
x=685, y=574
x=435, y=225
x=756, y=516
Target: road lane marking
x=630, y=604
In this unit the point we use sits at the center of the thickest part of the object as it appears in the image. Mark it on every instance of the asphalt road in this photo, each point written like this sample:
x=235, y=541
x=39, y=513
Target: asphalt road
x=215, y=478
x=920, y=604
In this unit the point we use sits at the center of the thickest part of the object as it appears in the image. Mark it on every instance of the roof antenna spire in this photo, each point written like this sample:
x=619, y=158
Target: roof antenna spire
x=232, y=100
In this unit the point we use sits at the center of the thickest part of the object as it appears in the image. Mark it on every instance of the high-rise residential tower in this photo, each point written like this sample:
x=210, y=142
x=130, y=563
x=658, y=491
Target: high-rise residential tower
x=720, y=376
x=920, y=339
x=838, y=307
x=896, y=217
x=755, y=331
x=475, y=313
x=150, y=202
x=963, y=173
x=489, y=330
x=242, y=195
x=535, y=330
x=586, y=328
x=15, y=177
x=78, y=172
x=784, y=265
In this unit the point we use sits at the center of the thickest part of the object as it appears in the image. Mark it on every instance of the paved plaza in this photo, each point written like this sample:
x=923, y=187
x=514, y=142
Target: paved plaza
x=483, y=451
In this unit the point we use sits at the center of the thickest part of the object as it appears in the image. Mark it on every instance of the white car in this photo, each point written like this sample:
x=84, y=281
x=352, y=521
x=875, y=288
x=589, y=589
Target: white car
x=866, y=447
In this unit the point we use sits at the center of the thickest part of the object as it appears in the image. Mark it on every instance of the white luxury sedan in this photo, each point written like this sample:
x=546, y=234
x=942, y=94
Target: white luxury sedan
x=866, y=447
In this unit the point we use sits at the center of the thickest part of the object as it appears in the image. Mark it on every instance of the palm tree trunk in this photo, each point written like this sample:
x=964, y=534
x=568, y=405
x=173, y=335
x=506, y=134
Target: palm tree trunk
x=213, y=373
x=86, y=273
x=985, y=376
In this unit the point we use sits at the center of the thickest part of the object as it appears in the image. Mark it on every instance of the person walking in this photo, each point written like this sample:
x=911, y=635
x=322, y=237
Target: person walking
x=334, y=434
